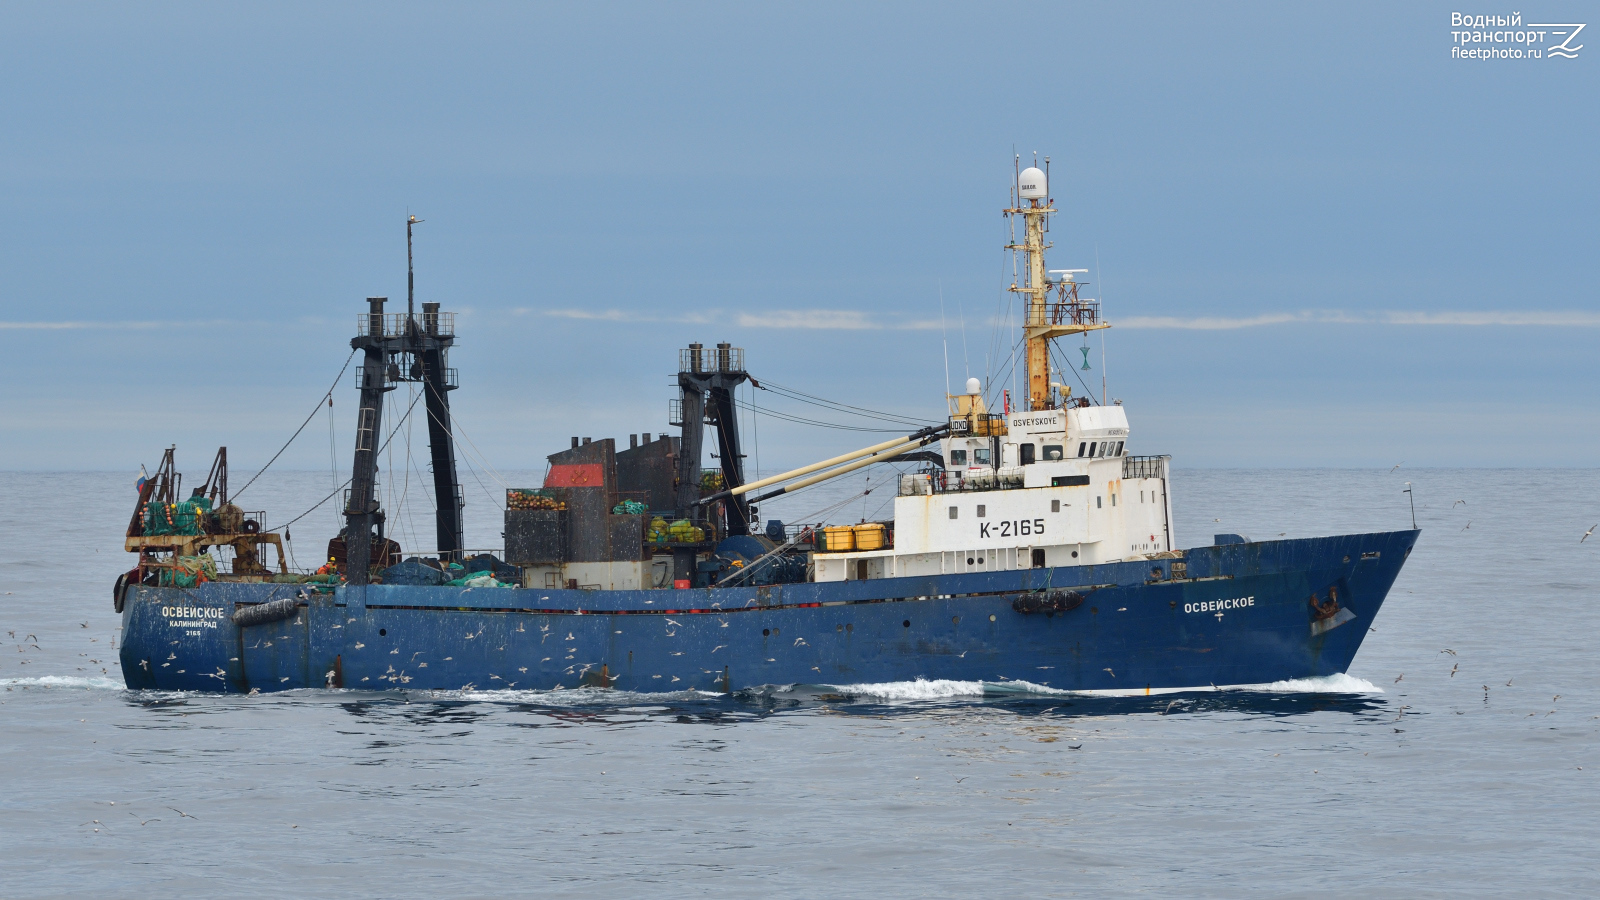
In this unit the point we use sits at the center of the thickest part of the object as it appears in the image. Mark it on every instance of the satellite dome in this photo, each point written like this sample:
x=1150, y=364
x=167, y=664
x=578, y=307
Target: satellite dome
x=974, y=386
x=1031, y=184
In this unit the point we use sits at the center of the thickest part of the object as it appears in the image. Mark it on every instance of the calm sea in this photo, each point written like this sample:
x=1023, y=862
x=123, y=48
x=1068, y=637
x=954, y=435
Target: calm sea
x=1459, y=757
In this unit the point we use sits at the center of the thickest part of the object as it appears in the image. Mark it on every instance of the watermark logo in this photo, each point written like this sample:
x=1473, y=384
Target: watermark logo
x=1507, y=37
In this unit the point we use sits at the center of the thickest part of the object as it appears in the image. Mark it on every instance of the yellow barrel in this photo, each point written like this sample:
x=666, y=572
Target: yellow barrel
x=838, y=538
x=869, y=537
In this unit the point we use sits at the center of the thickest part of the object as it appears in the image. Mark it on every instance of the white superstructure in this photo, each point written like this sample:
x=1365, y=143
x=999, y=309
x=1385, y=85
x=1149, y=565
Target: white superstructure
x=1051, y=484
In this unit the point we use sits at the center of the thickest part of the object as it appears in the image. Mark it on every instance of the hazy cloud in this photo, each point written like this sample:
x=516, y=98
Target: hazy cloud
x=812, y=319
x=1552, y=318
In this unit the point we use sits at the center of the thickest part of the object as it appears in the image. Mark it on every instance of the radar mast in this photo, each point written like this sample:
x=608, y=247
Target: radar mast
x=1044, y=320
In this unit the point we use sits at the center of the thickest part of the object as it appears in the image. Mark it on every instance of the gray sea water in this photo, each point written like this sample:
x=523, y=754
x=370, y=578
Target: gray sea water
x=1458, y=758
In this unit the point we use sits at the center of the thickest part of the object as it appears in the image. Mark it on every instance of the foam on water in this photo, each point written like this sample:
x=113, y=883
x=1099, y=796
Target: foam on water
x=68, y=681
x=570, y=696
x=1323, y=684
x=921, y=689
x=941, y=689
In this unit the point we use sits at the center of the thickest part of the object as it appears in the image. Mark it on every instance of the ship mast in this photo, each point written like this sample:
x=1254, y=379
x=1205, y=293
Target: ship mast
x=1044, y=321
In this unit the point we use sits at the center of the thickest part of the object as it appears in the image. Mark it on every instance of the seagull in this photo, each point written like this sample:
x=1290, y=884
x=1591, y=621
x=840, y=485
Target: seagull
x=1508, y=684
x=1453, y=669
x=1397, y=465
x=1108, y=670
x=1458, y=503
x=1169, y=707
x=1469, y=525
x=182, y=814
x=1449, y=651
x=1397, y=680
x=1587, y=533
x=1074, y=746
x=144, y=821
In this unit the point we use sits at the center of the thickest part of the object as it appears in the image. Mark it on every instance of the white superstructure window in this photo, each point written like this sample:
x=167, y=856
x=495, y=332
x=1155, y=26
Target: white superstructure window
x=958, y=458
x=952, y=512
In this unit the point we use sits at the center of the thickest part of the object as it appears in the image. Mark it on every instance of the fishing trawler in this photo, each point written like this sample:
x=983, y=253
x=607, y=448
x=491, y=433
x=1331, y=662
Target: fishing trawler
x=1028, y=546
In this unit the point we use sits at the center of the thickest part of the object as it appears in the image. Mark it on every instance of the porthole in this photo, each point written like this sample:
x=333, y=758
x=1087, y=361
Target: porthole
x=383, y=632
x=766, y=632
x=1074, y=554
x=991, y=618
x=906, y=624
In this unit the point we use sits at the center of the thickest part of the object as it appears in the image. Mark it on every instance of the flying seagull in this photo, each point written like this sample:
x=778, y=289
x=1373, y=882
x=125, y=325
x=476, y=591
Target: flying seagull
x=1587, y=533
x=1397, y=465
x=1458, y=503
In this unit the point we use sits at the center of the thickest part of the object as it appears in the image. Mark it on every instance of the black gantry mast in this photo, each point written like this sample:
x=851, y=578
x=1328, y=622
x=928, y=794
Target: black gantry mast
x=387, y=341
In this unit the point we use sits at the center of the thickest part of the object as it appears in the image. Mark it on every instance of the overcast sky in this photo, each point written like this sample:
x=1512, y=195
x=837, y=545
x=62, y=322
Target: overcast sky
x=1321, y=240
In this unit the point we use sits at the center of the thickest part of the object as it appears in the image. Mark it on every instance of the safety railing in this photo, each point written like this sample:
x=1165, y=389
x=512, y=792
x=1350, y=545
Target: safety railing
x=705, y=360
x=1145, y=466
x=442, y=324
x=395, y=374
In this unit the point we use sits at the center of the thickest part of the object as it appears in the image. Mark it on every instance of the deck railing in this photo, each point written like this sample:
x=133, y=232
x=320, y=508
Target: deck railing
x=1145, y=466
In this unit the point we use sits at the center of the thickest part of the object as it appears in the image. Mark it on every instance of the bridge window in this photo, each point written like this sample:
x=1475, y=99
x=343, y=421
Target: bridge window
x=958, y=458
x=1119, y=449
x=1052, y=451
x=980, y=456
x=1081, y=446
x=1027, y=454
x=1091, y=449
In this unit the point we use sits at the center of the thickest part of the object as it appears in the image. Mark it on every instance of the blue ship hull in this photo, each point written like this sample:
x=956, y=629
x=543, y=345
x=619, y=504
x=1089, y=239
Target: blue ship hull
x=1240, y=615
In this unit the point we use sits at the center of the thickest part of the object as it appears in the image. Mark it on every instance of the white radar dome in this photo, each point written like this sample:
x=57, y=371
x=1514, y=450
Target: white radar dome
x=974, y=385
x=1031, y=184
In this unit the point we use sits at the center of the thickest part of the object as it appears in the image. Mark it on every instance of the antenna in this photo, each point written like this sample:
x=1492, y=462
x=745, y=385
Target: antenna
x=411, y=281
x=966, y=364
x=946, y=334
x=1413, y=498
x=1100, y=274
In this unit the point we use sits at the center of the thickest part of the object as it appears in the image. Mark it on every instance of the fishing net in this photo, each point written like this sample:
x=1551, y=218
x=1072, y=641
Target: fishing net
x=532, y=498
x=189, y=571
x=185, y=518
